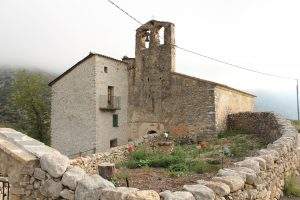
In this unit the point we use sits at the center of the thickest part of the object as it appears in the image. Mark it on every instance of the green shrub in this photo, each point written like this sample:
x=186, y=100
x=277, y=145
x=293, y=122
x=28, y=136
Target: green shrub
x=139, y=154
x=178, y=167
x=201, y=167
x=131, y=164
x=291, y=187
x=165, y=161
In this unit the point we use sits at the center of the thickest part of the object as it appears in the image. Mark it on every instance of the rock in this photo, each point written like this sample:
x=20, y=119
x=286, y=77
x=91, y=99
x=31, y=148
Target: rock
x=67, y=194
x=234, y=182
x=36, y=184
x=51, y=188
x=251, y=177
x=274, y=153
x=39, y=174
x=252, y=164
x=180, y=195
x=72, y=176
x=200, y=192
x=230, y=172
x=269, y=160
x=221, y=189
x=120, y=193
x=55, y=164
x=90, y=187
x=144, y=195
x=262, y=162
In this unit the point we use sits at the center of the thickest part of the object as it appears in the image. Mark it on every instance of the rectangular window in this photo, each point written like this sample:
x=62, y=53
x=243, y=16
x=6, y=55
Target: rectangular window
x=113, y=143
x=115, y=120
x=110, y=95
x=105, y=69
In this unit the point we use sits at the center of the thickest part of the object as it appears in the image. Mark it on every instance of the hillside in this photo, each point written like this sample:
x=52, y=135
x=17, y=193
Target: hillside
x=8, y=115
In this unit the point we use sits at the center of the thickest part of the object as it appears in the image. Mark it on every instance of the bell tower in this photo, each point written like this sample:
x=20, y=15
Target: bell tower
x=150, y=78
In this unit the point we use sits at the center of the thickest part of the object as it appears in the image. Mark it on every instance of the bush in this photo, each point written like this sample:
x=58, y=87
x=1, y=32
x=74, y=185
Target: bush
x=165, y=161
x=139, y=154
x=178, y=167
x=201, y=167
x=291, y=187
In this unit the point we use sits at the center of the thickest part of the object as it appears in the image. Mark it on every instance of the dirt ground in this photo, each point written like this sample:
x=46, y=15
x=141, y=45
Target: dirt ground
x=157, y=179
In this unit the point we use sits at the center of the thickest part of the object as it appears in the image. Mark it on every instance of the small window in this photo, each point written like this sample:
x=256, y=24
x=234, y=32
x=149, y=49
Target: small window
x=110, y=95
x=115, y=120
x=113, y=143
x=105, y=69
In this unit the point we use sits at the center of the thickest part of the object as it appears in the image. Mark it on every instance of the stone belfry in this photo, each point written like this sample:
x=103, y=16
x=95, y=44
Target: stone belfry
x=150, y=78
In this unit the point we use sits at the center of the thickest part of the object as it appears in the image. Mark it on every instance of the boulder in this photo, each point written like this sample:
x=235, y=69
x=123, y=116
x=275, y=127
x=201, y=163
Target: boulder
x=234, y=182
x=251, y=177
x=90, y=187
x=180, y=195
x=120, y=193
x=262, y=162
x=249, y=163
x=51, y=188
x=200, y=192
x=67, y=194
x=144, y=195
x=230, y=172
x=55, y=164
x=72, y=176
x=221, y=189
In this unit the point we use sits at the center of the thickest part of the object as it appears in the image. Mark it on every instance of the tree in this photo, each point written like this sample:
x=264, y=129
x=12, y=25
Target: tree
x=30, y=97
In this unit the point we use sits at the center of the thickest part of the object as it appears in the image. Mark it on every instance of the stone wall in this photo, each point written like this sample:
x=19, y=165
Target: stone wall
x=230, y=101
x=260, y=177
x=265, y=124
x=36, y=171
x=73, y=109
x=115, y=76
x=159, y=99
x=114, y=155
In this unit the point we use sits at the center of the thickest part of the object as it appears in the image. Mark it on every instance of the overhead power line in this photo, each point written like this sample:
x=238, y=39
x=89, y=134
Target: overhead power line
x=233, y=65
x=125, y=12
x=205, y=56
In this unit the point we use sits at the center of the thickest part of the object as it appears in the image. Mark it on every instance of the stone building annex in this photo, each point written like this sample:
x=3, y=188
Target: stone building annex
x=102, y=102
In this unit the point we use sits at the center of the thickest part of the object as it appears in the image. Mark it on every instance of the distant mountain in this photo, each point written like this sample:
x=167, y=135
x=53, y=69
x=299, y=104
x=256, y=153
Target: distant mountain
x=7, y=75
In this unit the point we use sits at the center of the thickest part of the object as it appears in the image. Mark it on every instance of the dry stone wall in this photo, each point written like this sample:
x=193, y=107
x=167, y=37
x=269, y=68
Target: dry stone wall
x=37, y=171
x=260, y=177
x=114, y=155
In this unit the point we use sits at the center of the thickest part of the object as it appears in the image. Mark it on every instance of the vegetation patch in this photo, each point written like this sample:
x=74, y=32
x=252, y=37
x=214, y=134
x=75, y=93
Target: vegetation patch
x=185, y=162
x=292, y=186
x=297, y=124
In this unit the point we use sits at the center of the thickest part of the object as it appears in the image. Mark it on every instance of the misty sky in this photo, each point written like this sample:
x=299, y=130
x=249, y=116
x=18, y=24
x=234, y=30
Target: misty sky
x=262, y=35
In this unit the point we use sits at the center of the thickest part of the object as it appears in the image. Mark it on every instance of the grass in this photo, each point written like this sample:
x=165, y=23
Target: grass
x=291, y=186
x=297, y=124
x=190, y=159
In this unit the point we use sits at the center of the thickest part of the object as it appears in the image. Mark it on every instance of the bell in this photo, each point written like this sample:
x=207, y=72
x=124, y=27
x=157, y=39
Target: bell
x=147, y=38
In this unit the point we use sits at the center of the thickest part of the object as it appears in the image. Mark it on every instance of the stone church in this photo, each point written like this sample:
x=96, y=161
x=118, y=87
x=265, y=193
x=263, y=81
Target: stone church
x=102, y=102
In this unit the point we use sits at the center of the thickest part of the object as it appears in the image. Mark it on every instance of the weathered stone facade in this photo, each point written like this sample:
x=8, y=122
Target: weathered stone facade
x=154, y=98
x=162, y=100
x=81, y=120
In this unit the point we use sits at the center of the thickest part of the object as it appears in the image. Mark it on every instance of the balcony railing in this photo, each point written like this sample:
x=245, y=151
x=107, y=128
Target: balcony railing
x=109, y=103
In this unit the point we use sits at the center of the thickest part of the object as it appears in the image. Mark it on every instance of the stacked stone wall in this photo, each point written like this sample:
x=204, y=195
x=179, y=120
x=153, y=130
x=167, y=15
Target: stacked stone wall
x=43, y=173
x=265, y=124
